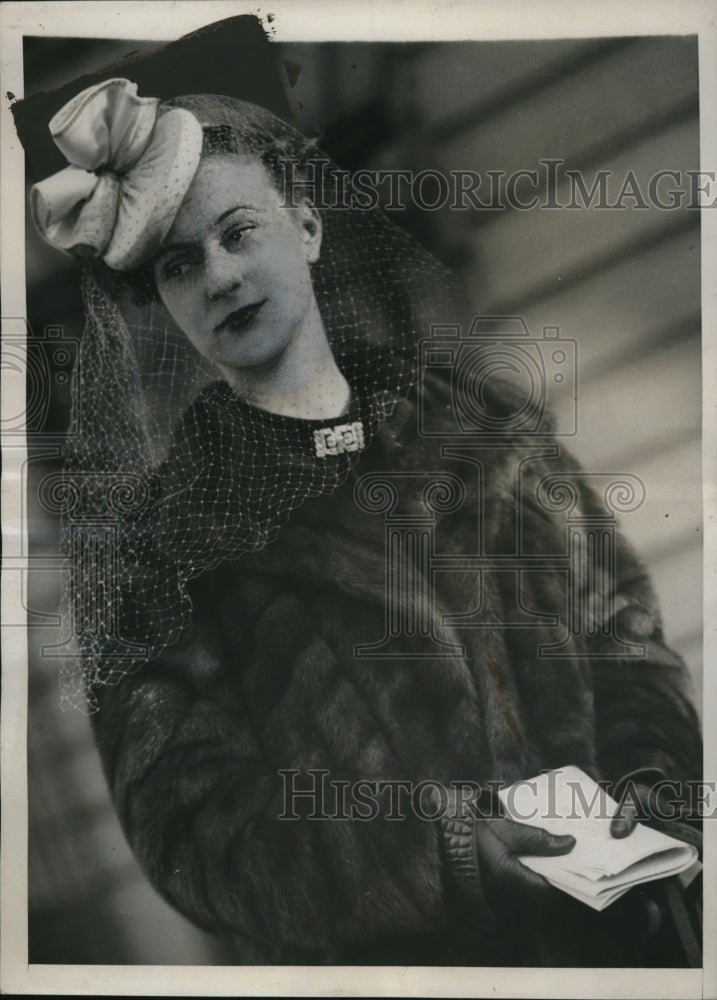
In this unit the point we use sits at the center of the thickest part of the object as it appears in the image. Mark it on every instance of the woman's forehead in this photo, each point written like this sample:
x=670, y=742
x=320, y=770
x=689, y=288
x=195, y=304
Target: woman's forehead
x=223, y=183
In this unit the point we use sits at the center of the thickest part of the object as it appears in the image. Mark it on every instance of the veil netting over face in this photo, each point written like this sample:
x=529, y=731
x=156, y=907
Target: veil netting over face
x=168, y=472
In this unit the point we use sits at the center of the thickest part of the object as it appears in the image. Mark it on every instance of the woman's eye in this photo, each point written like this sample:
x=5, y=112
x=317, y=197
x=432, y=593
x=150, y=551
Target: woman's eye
x=175, y=267
x=235, y=234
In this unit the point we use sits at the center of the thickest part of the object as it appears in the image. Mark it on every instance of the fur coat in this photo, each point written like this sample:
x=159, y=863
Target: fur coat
x=202, y=745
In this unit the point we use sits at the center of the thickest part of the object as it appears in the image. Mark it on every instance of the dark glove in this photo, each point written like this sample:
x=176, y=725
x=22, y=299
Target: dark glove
x=482, y=850
x=646, y=796
x=547, y=926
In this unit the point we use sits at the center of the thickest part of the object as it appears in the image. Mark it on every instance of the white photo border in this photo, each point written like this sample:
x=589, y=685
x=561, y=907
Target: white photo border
x=321, y=20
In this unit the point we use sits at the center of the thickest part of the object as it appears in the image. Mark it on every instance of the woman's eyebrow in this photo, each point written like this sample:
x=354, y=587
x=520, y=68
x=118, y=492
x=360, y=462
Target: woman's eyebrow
x=189, y=245
x=171, y=247
x=230, y=211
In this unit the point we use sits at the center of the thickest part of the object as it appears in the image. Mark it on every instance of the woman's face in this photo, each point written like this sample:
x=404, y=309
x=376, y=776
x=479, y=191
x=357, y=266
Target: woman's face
x=233, y=271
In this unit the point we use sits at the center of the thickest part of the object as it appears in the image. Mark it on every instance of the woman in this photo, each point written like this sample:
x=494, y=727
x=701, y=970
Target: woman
x=254, y=634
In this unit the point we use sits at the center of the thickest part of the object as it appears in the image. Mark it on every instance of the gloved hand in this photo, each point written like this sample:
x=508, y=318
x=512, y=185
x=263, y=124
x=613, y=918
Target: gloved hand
x=482, y=850
x=646, y=796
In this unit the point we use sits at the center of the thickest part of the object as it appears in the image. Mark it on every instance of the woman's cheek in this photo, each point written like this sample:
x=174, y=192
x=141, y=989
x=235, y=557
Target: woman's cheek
x=181, y=307
x=178, y=299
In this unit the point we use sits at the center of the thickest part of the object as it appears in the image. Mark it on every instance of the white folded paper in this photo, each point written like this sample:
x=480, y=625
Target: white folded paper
x=600, y=868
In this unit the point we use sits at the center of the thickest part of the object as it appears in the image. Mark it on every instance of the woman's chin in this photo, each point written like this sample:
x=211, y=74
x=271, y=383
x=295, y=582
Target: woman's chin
x=251, y=360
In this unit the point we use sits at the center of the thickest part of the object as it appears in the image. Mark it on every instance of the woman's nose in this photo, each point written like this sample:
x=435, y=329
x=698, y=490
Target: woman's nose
x=222, y=272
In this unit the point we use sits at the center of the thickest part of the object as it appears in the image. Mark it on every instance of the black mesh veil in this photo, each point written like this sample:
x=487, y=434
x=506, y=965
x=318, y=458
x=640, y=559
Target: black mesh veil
x=168, y=471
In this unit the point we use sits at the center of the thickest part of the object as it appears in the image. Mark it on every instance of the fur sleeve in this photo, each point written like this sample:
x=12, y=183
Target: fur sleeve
x=644, y=712
x=199, y=798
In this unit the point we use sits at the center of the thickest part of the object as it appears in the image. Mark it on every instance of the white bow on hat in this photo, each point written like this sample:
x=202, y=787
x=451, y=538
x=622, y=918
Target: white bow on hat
x=130, y=169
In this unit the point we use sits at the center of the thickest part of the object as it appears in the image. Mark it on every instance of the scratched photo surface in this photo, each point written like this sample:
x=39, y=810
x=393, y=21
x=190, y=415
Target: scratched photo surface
x=569, y=245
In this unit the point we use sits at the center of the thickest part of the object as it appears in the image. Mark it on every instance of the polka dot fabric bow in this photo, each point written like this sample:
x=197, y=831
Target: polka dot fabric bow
x=130, y=167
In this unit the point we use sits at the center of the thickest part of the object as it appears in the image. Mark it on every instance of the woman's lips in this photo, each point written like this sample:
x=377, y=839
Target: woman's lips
x=239, y=319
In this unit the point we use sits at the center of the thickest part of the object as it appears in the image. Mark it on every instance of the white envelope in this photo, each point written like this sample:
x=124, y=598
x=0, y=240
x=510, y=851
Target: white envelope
x=600, y=868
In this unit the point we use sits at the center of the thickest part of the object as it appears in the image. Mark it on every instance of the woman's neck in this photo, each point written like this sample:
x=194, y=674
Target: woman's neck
x=303, y=382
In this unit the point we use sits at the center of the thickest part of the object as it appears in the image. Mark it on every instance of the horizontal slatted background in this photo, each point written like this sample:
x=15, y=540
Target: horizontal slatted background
x=623, y=284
